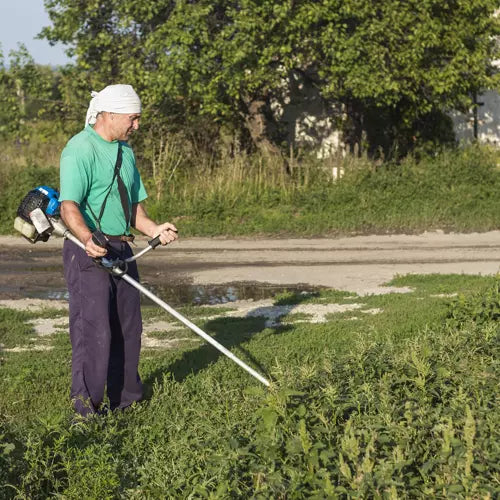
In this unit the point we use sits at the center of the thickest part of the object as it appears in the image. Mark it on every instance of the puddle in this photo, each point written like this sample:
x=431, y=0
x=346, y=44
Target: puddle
x=221, y=294
x=52, y=295
x=183, y=294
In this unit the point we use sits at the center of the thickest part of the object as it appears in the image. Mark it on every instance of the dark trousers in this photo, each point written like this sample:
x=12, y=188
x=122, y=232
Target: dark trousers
x=105, y=327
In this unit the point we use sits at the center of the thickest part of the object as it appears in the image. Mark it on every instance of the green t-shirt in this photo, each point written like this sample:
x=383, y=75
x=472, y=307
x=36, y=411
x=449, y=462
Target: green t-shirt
x=87, y=167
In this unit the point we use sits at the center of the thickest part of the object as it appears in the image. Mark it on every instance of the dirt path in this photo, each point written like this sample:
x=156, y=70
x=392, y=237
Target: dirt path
x=360, y=264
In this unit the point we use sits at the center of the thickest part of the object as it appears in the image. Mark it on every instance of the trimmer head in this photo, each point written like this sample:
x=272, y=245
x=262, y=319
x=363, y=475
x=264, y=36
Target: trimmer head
x=33, y=214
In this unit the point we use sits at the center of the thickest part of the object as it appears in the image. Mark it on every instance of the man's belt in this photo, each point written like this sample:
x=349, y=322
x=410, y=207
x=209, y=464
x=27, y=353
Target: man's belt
x=120, y=237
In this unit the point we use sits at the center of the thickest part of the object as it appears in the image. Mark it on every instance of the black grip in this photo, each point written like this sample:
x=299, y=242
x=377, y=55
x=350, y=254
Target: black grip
x=99, y=238
x=154, y=242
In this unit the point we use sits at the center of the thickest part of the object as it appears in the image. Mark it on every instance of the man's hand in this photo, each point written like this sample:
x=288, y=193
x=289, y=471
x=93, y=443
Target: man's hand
x=167, y=233
x=93, y=250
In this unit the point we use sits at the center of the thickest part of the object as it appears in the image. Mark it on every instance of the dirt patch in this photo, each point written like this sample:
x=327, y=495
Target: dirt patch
x=274, y=315
x=34, y=305
x=47, y=326
x=38, y=347
x=361, y=264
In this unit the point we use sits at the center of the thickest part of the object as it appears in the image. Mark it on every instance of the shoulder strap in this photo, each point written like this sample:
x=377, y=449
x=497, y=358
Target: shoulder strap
x=122, y=190
x=121, y=185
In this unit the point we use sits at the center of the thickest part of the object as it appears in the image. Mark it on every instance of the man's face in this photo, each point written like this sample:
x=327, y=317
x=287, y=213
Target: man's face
x=124, y=124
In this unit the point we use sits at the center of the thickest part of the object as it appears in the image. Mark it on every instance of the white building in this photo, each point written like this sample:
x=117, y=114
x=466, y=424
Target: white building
x=487, y=121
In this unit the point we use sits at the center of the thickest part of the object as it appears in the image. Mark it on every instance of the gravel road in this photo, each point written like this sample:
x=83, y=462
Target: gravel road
x=360, y=264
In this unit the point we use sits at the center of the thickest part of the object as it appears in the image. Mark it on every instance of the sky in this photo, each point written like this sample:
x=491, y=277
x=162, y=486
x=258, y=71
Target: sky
x=21, y=21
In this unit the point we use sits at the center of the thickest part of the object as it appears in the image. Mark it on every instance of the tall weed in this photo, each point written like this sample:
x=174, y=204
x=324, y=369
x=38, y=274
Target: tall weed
x=376, y=415
x=42, y=145
x=457, y=190
x=477, y=308
x=236, y=193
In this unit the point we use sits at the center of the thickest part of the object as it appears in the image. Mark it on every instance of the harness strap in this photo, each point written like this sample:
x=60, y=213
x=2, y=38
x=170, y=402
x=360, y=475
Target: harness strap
x=122, y=190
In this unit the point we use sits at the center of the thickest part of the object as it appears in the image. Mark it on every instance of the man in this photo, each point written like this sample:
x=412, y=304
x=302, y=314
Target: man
x=101, y=195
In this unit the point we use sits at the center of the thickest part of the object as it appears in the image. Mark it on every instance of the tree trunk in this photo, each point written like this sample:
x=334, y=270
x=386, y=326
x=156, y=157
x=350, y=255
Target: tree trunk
x=258, y=124
x=353, y=128
x=21, y=96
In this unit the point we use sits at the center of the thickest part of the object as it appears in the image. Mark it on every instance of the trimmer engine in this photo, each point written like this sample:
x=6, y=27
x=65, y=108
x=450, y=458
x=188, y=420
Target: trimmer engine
x=35, y=215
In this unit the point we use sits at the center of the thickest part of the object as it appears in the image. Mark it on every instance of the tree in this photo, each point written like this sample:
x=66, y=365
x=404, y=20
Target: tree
x=227, y=60
x=29, y=92
x=407, y=61
x=9, y=102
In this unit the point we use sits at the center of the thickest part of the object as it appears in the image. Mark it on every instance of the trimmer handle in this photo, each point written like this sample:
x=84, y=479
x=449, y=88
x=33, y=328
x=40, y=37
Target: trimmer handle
x=154, y=242
x=100, y=239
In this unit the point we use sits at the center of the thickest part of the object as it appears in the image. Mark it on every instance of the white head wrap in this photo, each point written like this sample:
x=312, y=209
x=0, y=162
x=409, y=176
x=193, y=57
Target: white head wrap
x=114, y=99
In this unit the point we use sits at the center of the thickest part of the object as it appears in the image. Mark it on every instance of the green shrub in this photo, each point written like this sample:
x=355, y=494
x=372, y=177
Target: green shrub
x=408, y=421
x=403, y=406
x=477, y=308
x=455, y=190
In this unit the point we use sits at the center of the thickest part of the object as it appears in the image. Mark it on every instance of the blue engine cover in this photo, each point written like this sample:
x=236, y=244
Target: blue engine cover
x=53, y=196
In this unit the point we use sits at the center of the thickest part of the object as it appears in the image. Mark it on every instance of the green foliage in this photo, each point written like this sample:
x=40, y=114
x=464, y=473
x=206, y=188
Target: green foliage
x=9, y=103
x=395, y=69
x=326, y=296
x=28, y=92
x=39, y=102
x=454, y=190
x=228, y=60
x=13, y=328
x=396, y=405
x=383, y=420
x=10, y=459
x=444, y=284
x=41, y=145
x=478, y=308
x=415, y=52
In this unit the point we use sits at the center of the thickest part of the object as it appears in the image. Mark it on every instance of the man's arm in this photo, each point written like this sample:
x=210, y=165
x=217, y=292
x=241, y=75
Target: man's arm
x=166, y=231
x=72, y=217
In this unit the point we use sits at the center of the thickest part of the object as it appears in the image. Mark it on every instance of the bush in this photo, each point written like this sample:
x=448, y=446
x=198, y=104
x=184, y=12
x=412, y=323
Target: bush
x=478, y=308
x=407, y=410
x=456, y=190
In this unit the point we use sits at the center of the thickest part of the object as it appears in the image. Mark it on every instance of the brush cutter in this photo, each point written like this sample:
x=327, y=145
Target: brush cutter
x=38, y=218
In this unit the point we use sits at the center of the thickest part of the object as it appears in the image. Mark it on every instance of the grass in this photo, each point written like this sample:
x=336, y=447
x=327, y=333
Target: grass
x=244, y=195
x=400, y=404
x=455, y=190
